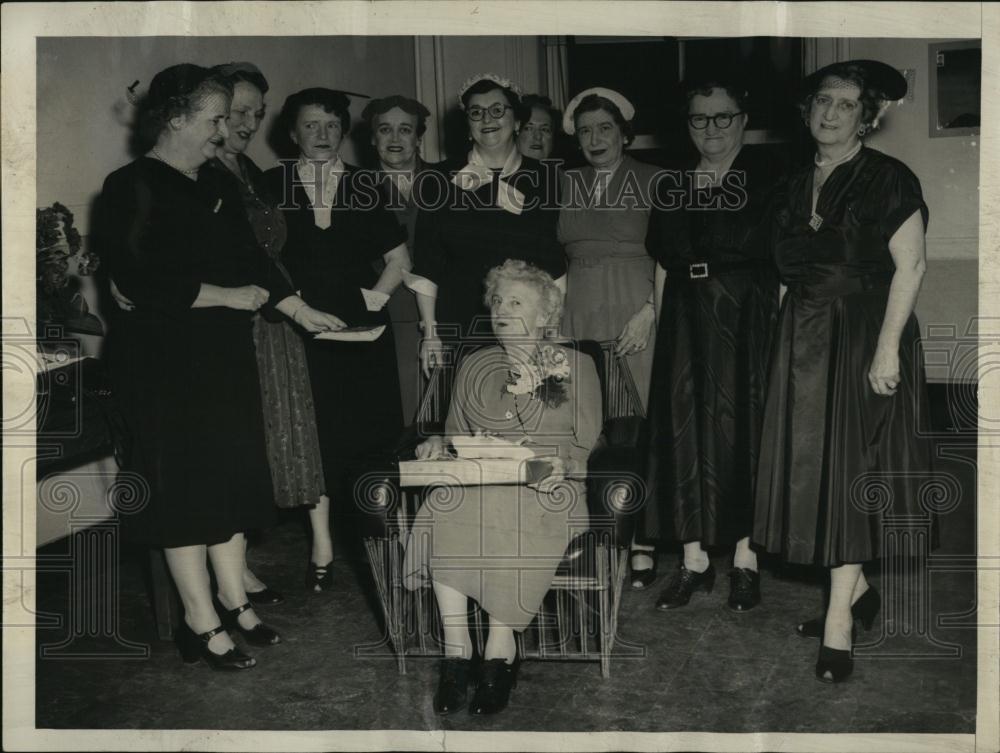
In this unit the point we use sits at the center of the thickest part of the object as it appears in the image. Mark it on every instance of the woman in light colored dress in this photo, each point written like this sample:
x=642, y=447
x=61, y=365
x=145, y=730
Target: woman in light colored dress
x=501, y=545
x=609, y=290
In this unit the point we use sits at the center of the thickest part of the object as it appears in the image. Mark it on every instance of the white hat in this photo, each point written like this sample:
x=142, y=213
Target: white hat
x=627, y=110
x=501, y=81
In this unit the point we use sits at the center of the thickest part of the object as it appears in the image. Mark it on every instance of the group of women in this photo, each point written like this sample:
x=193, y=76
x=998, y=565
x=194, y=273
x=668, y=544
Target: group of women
x=767, y=321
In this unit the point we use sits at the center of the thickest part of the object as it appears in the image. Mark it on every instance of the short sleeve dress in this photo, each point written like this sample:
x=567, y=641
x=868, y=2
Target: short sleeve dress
x=286, y=394
x=501, y=545
x=462, y=234
x=710, y=364
x=355, y=384
x=185, y=379
x=837, y=460
x=610, y=275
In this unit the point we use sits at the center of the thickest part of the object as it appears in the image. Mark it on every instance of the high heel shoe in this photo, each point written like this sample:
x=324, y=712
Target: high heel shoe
x=319, y=577
x=641, y=578
x=194, y=646
x=834, y=662
x=864, y=610
x=493, y=691
x=259, y=635
x=453, y=685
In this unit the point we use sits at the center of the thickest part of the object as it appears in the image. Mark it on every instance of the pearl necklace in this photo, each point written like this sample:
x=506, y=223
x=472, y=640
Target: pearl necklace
x=165, y=161
x=839, y=160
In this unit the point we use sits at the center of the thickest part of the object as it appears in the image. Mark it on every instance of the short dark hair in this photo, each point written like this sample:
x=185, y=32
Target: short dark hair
x=870, y=97
x=595, y=103
x=329, y=99
x=532, y=101
x=485, y=85
x=176, y=91
x=735, y=89
x=410, y=106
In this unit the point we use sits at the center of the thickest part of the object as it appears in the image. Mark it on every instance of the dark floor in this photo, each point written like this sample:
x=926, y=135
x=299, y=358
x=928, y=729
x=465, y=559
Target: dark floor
x=704, y=667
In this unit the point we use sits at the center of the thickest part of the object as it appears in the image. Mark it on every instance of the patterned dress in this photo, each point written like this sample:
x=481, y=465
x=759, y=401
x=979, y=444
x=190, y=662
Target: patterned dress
x=286, y=394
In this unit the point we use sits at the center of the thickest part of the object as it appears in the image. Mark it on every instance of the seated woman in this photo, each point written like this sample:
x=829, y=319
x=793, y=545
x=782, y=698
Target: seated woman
x=501, y=545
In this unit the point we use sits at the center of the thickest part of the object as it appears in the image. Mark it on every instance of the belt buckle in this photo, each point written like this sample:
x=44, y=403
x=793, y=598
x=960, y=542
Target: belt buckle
x=698, y=270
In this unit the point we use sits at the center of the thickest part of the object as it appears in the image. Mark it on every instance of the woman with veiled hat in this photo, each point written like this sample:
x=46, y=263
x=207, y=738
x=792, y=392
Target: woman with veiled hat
x=496, y=205
x=602, y=224
x=847, y=379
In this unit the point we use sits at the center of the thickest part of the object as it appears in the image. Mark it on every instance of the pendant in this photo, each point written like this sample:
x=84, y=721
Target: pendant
x=815, y=221
x=508, y=415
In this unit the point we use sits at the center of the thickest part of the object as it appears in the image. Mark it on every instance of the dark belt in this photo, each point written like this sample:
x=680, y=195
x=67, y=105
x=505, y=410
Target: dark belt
x=703, y=270
x=841, y=286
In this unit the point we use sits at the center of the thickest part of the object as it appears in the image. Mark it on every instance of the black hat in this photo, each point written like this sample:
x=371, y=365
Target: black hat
x=249, y=70
x=176, y=81
x=879, y=76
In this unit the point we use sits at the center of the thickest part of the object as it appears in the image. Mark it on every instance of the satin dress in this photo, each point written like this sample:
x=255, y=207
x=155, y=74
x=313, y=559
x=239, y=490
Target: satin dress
x=840, y=464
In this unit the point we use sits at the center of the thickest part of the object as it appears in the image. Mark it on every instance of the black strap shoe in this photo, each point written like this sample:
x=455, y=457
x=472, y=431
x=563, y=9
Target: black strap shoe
x=266, y=598
x=493, y=691
x=319, y=577
x=453, y=685
x=744, y=589
x=642, y=578
x=194, y=646
x=685, y=582
x=259, y=635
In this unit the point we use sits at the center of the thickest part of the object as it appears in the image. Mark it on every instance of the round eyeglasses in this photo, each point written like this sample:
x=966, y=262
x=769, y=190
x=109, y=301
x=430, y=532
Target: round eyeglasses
x=722, y=120
x=496, y=111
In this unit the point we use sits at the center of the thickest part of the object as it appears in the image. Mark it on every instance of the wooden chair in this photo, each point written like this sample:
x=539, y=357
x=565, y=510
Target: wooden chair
x=578, y=619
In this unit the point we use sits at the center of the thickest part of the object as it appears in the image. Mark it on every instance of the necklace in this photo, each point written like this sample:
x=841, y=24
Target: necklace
x=165, y=161
x=843, y=158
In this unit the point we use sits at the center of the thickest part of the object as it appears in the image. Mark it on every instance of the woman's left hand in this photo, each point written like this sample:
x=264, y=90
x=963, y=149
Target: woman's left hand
x=635, y=335
x=883, y=374
x=550, y=482
x=313, y=320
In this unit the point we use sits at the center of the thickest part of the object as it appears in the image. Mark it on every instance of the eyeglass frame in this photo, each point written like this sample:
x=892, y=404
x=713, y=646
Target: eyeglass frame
x=483, y=110
x=714, y=119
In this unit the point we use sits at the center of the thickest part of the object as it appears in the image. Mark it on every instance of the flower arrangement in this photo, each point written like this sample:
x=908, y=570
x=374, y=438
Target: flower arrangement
x=546, y=377
x=59, y=298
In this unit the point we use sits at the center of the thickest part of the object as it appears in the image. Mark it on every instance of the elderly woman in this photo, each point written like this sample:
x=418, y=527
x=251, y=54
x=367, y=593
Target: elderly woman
x=537, y=135
x=397, y=125
x=498, y=206
x=718, y=297
x=847, y=379
x=289, y=416
x=178, y=245
x=336, y=236
x=500, y=545
x=609, y=285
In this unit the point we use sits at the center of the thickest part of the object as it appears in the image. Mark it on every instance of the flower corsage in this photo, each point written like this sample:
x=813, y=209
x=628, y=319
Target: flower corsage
x=546, y=377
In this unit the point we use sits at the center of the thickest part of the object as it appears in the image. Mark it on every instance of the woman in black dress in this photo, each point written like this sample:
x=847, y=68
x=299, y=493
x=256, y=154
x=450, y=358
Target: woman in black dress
x=718, y=297
x=178, y=245
x=847, y=381
x=338, y=231
x=496, y=205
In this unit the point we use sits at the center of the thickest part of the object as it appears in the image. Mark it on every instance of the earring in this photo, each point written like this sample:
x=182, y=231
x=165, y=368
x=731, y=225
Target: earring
x=862, y=130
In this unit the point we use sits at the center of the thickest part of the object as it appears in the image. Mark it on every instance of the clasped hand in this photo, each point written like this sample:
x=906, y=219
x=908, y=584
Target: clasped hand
x=883, y=374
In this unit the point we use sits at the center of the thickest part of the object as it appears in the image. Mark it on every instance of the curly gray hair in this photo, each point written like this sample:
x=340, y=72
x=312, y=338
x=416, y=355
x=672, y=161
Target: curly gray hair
x=517, y=270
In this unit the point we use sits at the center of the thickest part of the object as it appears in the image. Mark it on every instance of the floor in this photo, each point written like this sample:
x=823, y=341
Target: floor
x=700, y=668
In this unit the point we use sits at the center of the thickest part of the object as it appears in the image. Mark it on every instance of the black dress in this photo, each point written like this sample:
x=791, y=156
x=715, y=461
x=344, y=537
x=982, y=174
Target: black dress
x=355, y=385
x=838, y=460
x=465, y=234
x=709, y=365
x=186, y=379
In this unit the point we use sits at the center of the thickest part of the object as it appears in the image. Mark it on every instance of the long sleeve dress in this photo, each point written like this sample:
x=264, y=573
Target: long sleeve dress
x=610, y=275
x=464, y=233
x=710, y=363
x=501, y=545
x=838, y=462
x=286, y=394
x=185, y=379
x=355, y=384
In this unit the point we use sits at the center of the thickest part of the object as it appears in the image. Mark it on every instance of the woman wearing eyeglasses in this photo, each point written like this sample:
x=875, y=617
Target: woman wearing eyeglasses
x=717, y=300
x=498, y=205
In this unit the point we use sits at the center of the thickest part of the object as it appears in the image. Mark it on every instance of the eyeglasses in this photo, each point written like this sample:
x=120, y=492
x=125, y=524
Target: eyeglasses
x=722, y=120
x=496, y=111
